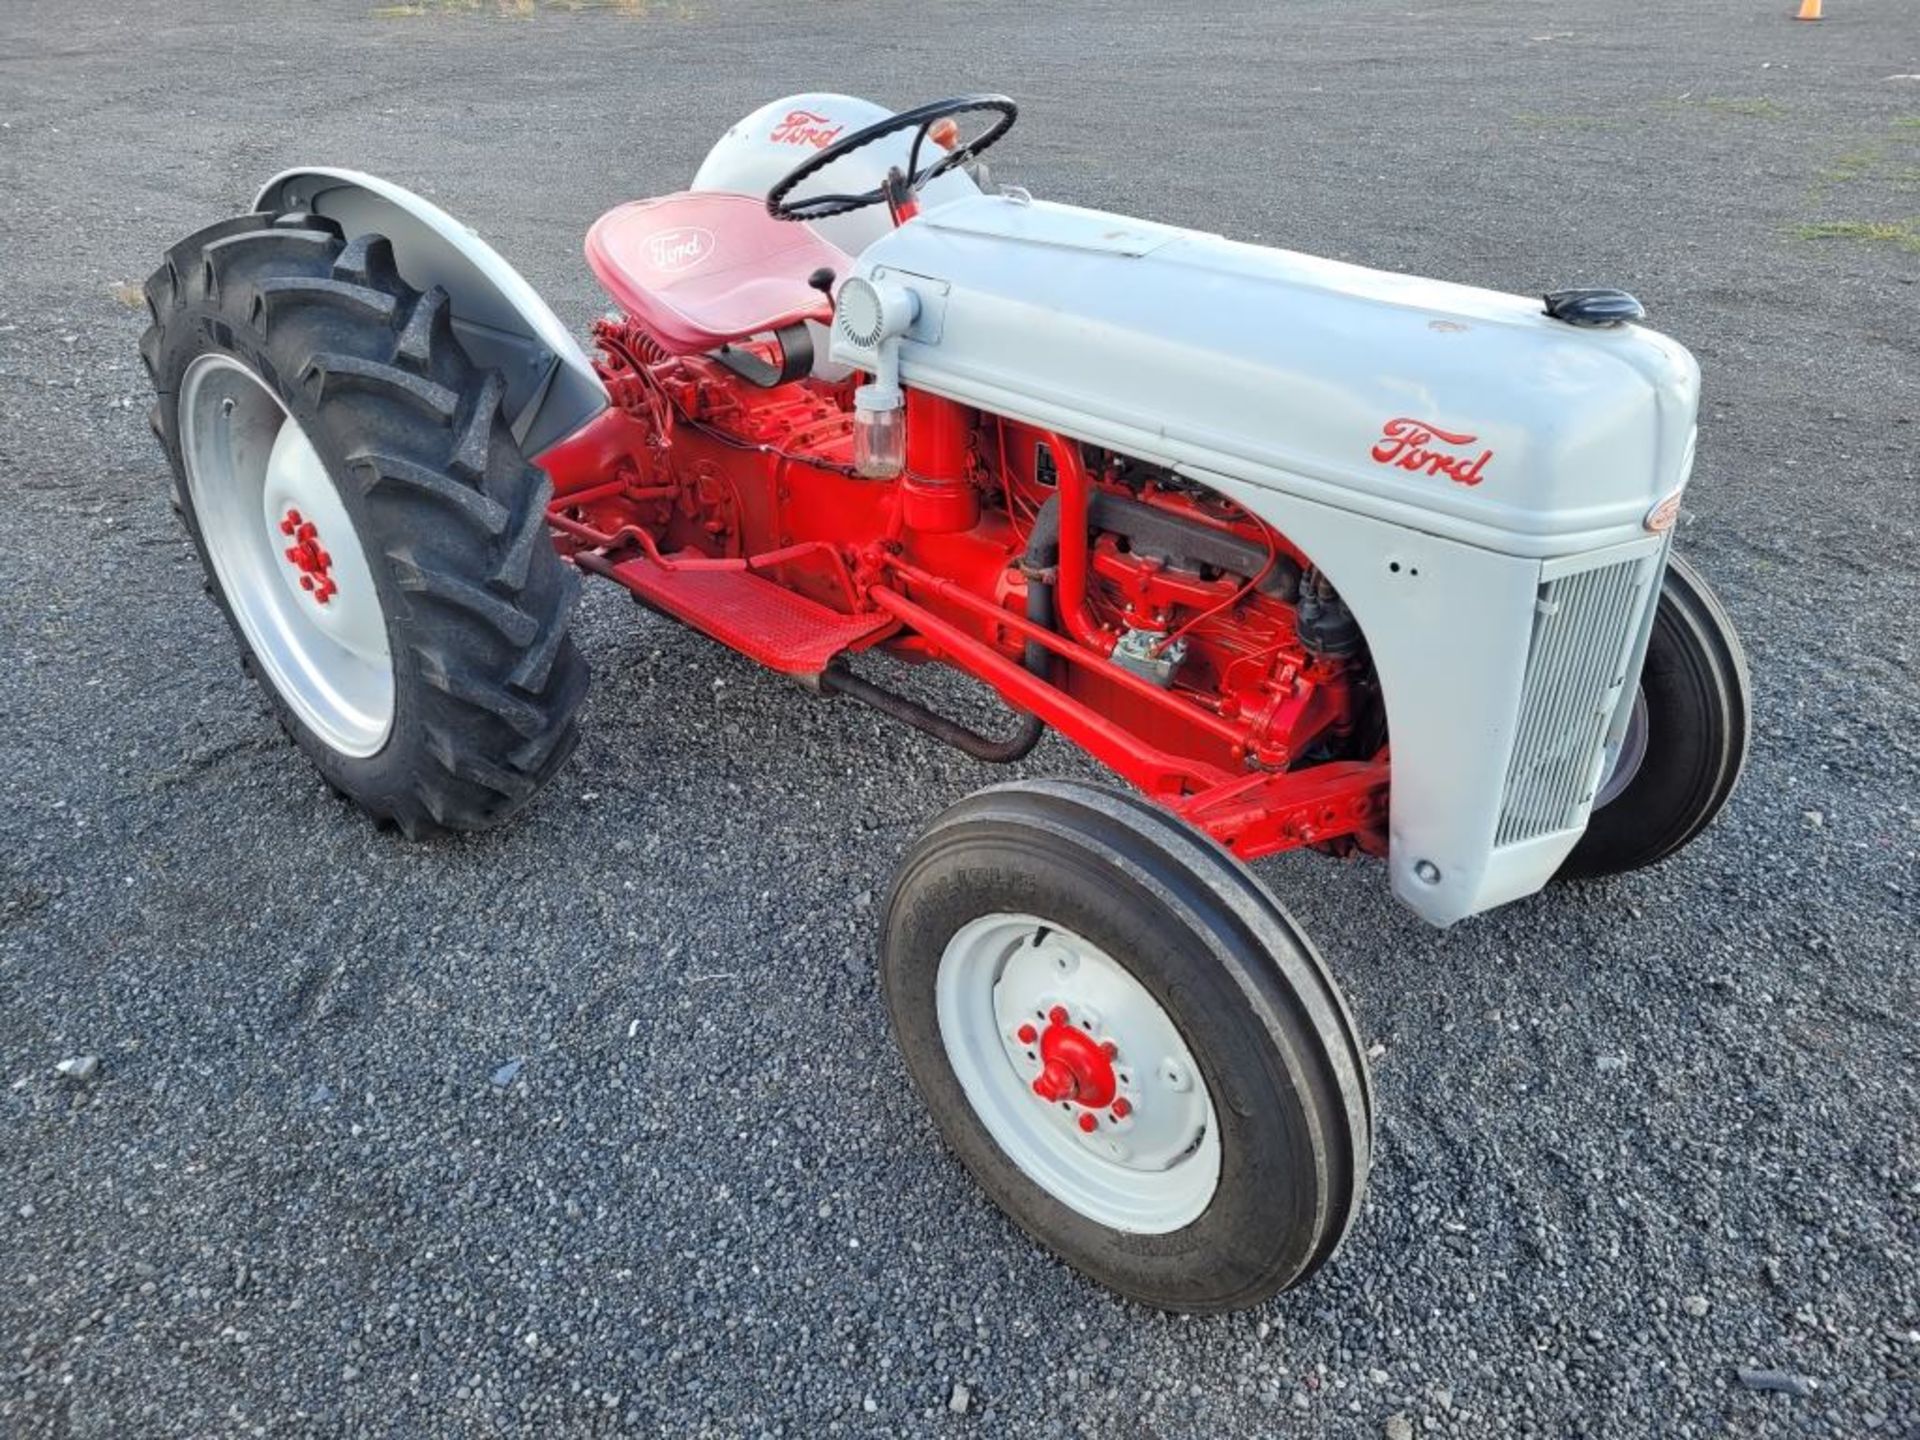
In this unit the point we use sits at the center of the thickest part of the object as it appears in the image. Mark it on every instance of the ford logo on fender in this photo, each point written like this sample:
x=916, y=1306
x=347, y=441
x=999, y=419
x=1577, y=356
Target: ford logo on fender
x=803, y=127
x=1413, y=445
x=678, y=249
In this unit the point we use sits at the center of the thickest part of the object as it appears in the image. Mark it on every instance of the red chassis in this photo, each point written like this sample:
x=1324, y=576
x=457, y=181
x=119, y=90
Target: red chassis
x=736, y=509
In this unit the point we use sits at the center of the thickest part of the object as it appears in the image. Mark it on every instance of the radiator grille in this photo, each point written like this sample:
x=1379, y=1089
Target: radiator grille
x=1582, y=636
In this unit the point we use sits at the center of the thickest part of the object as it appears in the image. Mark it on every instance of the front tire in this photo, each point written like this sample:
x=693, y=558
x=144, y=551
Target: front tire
x=367, y=522
x=1129, y=1043
x=1686, y=742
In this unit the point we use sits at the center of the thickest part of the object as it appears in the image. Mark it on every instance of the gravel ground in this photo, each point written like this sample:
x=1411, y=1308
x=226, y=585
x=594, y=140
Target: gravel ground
x=594, y=1126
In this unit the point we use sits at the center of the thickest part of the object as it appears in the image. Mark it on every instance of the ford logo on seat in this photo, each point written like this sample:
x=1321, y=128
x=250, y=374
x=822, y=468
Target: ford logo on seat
x=680, y=248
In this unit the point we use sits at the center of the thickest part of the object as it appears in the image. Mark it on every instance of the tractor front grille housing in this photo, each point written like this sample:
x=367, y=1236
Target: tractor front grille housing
x=1586, y=632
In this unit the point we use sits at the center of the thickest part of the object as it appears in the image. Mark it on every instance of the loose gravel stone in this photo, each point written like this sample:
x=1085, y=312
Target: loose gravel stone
x=1783, y=1381
x=507, y=1073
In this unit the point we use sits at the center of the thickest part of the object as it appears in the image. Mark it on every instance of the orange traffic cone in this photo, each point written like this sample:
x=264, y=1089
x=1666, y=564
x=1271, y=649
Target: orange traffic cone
x=1809, y=10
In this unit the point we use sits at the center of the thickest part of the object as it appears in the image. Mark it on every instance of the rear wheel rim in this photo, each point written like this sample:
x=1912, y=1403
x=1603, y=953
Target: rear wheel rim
x=1133, y=1142
x=286, y=555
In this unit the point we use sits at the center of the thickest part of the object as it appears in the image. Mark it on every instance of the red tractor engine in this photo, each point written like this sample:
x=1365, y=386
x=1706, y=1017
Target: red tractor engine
x=1192, y=647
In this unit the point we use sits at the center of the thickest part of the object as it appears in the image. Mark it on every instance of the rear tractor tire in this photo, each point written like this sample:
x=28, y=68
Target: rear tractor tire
x=1685, y=743
x=1129, y=1043
x=367, y=522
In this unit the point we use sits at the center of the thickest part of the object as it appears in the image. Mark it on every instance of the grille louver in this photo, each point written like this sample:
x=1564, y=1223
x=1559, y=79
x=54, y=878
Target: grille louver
x=1583, y=638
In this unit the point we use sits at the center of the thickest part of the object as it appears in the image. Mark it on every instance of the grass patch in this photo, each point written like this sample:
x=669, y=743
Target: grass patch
x=1744, y=107
x=417, y=8
x=1887, y=160
x=1539, y=120
x=1852, y=166
x=1730, y=107
x=1904, y=233
x=128, y=294
x=519, y=9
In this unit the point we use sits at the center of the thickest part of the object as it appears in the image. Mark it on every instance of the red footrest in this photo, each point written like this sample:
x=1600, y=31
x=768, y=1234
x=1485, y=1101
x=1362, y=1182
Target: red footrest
x=765, y=622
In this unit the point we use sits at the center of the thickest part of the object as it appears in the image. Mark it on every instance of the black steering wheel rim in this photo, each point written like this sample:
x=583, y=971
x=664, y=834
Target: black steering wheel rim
x=820, y=207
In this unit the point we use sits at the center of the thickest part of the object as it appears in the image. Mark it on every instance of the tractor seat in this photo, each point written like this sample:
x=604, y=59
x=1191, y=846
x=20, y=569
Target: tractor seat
x=702, y=270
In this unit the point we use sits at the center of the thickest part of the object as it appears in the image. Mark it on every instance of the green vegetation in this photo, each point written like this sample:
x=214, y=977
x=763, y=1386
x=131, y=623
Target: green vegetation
x=1904, y=233
x=1853, y=165
x=1539, y=120
x=512, y=9
x=1885, y=161
x=1744, y=107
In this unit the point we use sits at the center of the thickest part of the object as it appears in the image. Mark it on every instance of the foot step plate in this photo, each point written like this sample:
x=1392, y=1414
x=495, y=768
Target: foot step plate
x=766, y=622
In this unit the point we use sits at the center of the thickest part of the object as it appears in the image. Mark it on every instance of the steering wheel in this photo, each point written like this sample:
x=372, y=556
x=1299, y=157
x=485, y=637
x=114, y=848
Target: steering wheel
x=922, y=117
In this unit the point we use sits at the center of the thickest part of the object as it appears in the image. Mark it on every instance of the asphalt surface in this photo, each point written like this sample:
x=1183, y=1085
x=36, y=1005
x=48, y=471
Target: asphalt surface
x=1636, y=1136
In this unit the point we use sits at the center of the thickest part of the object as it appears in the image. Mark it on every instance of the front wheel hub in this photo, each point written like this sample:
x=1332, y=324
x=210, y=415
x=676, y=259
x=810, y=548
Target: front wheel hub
x=1073, y=1066
x=1065, y=1056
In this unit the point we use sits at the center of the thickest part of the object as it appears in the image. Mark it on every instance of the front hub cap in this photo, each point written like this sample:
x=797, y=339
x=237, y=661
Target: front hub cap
x=1072, y=1066
x=1078, y=1073
x=286, y=555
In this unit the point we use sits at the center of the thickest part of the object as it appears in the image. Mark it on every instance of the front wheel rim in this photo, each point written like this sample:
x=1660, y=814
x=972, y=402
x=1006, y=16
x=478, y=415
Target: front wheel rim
x=1078, y=1074
x=286, y=555
x=1631, y=755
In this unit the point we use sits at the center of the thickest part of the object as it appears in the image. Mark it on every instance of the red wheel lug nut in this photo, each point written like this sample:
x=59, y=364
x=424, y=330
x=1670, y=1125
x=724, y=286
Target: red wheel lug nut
x=1109, y=1048
x=1027, y=1034
x=1058, y=1015
x=1122, y=1108
x=306, y=582
x=1087, y=1122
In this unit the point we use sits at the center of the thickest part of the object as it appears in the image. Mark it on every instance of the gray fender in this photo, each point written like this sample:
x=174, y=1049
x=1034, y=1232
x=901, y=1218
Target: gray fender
x=500, y=321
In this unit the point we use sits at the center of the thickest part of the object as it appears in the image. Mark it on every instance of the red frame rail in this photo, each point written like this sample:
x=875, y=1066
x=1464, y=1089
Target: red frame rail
x=613, y=463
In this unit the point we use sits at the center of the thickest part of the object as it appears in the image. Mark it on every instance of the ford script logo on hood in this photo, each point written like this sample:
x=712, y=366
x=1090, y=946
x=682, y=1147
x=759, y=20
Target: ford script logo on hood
x=681, y=248
x=1415, y=445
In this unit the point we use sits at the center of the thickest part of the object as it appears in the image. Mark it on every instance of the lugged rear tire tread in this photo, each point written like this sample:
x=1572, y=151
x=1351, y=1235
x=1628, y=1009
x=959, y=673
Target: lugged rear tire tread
x=450, y=513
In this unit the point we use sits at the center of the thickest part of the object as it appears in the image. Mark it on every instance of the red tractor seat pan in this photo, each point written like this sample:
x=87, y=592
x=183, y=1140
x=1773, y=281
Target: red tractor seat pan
x=702, y=270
